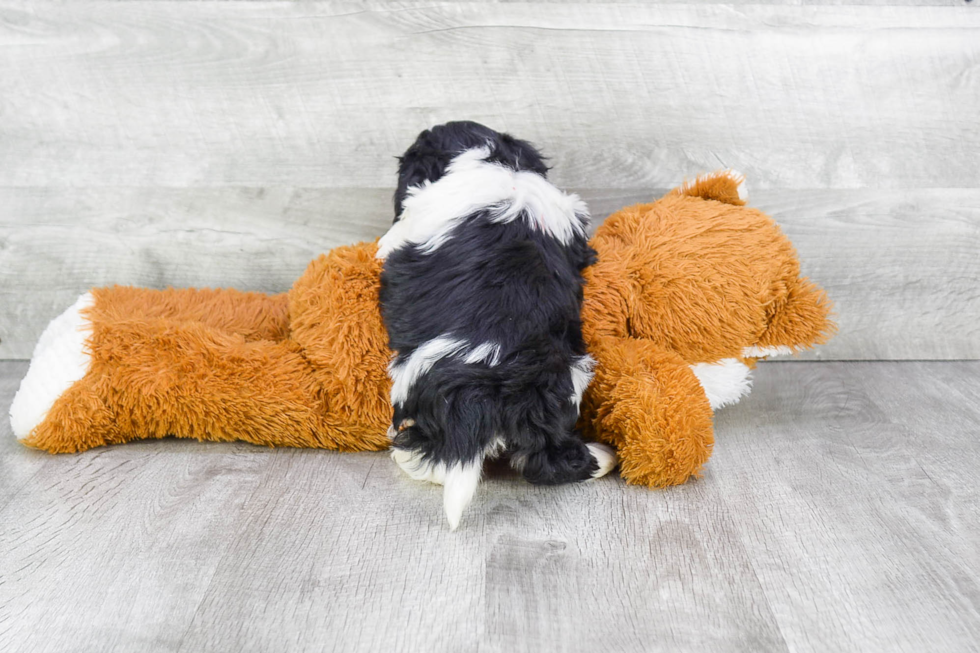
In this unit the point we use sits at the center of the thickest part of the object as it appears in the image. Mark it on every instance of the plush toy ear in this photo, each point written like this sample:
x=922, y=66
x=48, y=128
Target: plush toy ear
x=725, y=186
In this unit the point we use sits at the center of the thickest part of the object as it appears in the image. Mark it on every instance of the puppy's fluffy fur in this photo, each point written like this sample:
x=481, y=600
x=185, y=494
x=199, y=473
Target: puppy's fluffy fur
x=481, y=294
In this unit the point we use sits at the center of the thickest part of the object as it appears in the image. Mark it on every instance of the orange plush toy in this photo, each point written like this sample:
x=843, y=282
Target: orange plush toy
x=688, y=291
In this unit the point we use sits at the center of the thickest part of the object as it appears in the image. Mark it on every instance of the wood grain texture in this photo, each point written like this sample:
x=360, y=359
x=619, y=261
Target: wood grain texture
x=901, y=266
x=862, y=458
x=886, y=3
x=227, y=143
x=54, y=246
x=13, y=477
x=620, y=96
x=839, y=512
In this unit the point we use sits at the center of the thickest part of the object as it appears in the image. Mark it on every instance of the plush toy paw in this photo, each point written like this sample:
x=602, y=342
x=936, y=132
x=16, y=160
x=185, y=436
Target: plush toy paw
x=649, y=404
x=664, y=439
x=59, y=361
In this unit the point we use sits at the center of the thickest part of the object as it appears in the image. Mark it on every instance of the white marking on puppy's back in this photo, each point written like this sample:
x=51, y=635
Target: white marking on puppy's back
x=488, y=353
x=470, y=184
x=545, y=207
x=581, y=371
x=405, y=372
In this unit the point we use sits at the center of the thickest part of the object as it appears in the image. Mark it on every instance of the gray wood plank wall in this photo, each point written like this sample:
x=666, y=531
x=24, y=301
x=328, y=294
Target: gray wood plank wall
x=227, y=143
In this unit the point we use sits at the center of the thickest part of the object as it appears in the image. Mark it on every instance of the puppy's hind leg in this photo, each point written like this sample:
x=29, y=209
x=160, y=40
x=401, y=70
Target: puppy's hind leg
x=459, y=477
x=459, y=480
x=565, y=461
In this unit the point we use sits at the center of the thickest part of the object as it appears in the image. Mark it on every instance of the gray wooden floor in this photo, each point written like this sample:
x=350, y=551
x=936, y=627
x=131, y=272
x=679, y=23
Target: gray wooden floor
x=840, y=513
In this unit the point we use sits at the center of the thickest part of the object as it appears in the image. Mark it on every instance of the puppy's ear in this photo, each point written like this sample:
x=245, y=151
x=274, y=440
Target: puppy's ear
x=581, y=254
x=519, y=155
x=424, y=160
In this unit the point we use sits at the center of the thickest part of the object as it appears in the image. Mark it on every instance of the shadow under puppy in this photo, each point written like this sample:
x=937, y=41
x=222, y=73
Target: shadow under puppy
x=481, y=295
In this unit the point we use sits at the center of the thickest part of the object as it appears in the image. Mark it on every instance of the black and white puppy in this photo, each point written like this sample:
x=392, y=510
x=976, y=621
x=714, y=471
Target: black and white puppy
x=481, y=295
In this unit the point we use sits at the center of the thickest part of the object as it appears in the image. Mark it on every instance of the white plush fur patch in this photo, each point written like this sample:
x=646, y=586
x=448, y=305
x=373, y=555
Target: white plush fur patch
x=59, y=361
x=764, y=352
x=724, y=382
x=471, y=183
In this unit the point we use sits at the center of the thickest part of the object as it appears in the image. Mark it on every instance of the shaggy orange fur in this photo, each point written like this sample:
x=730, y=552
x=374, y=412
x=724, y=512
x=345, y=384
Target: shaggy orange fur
x=693, y=277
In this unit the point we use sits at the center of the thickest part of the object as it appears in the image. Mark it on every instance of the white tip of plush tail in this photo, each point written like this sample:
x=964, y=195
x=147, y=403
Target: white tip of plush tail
x=459, y=488
x=59, y=361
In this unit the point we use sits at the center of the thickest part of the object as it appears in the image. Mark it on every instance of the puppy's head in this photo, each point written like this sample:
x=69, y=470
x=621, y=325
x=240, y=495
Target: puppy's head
x=434, y=149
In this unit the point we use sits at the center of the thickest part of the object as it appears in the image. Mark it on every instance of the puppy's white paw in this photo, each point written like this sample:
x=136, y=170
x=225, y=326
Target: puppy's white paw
x=59, y=361
x=605, y=456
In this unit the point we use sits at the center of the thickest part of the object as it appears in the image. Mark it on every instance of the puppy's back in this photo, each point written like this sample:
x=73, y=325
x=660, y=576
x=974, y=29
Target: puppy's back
x=481, y=294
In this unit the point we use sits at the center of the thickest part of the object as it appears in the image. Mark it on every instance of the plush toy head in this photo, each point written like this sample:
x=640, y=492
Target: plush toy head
x=694, y=286
x=701, y=275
